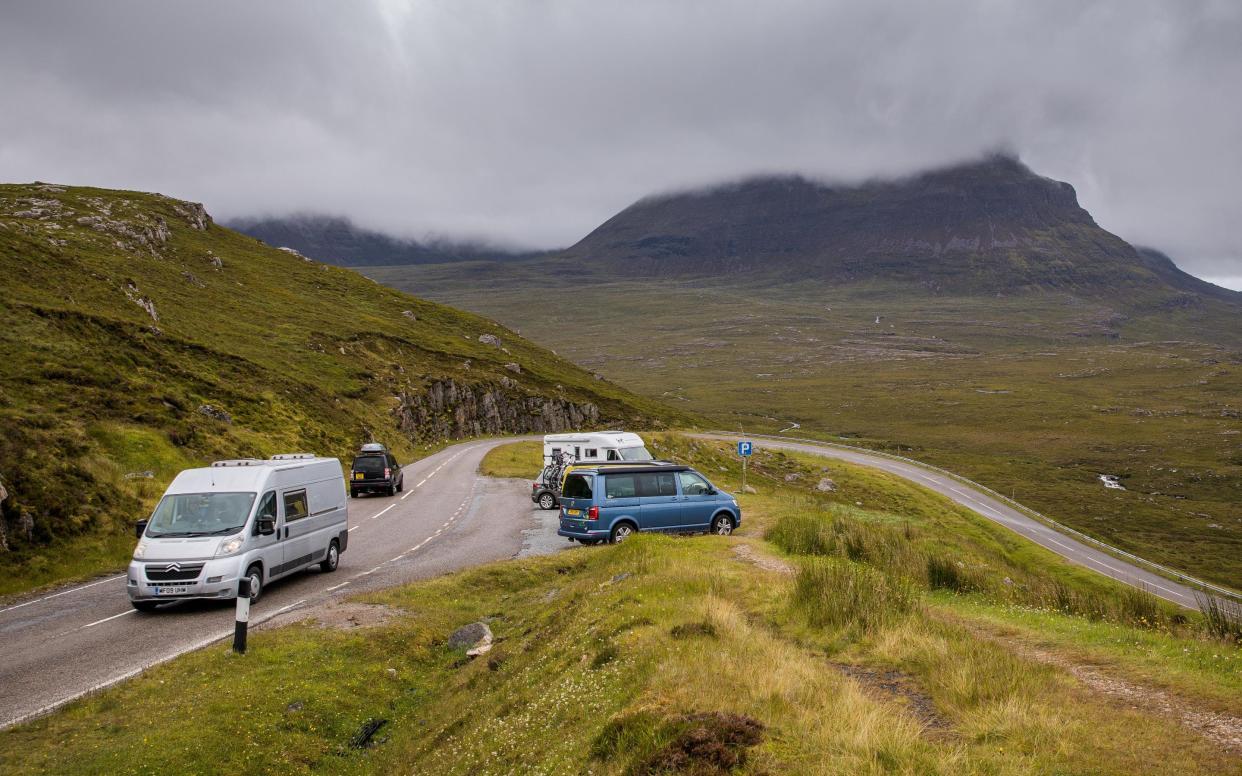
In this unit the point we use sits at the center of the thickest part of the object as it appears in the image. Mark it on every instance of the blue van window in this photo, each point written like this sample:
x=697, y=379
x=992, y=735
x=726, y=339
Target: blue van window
x=577, y=486
x=620, y=486
x=660, y=484
x=692, y=484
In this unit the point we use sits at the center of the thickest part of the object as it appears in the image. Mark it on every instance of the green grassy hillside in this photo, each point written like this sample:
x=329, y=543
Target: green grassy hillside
x=137, y=338
x=877, y=629
x=1035, y=395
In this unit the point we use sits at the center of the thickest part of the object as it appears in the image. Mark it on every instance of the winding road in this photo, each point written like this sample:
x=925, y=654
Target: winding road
x=63, y=644
x=997, y=511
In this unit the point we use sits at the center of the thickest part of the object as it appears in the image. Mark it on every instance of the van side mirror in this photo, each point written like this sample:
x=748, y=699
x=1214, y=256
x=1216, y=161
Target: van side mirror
x=712, y=491
x=140, y=528
x=266, y=526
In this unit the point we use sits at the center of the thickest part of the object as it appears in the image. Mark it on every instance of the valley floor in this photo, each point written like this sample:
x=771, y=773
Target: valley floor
x=1034, y=396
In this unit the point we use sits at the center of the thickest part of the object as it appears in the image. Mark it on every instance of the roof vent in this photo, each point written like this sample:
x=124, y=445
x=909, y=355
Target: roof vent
x=293, y=456
x=239, y=462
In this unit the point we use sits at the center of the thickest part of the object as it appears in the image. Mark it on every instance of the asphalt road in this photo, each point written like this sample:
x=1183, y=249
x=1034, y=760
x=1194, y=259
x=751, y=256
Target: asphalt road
x=993, y=509
x=62, y=644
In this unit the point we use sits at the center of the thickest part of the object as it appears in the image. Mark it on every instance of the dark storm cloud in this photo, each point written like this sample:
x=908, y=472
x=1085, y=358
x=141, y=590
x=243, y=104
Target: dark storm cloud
x=531, y=122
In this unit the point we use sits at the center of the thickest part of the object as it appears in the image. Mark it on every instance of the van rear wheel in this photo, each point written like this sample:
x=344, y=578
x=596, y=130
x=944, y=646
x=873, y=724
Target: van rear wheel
x=332, y=559
x=547, y=501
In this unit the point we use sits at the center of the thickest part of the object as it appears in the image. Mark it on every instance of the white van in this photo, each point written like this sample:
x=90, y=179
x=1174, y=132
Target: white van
x=595, y=446
x=248, y=517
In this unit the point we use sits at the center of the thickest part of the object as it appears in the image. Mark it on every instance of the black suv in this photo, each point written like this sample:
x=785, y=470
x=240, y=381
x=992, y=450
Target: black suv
x=375, y=470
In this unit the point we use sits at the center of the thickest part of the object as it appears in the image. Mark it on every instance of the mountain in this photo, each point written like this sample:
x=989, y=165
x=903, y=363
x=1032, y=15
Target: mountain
x=336, y=240
x=138, y=337
x=988, y=226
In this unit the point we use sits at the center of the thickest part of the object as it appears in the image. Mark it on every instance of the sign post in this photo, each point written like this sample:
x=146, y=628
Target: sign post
x=744, y=449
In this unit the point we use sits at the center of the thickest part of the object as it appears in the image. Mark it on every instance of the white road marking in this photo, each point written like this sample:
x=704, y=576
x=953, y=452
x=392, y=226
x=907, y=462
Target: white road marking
x=351, y=530
x=338, y=587
x=382, y=511
x=420, y=484
x=113, y=617
x=63, y=592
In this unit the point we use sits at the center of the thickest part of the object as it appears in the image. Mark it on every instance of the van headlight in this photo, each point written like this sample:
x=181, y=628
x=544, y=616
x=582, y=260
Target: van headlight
x=230, y=545
x=140, y=550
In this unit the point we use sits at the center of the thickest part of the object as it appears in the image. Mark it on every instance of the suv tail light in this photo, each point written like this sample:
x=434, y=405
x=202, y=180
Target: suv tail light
x=593, y=513
x=387, y=472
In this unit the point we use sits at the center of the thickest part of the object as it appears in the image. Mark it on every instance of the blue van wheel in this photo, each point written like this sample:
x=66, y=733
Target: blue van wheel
x=722, y=525
x=621, y=532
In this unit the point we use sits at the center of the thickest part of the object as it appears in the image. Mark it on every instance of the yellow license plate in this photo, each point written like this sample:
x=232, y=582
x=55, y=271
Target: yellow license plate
x=574, y=512
x=359, y=475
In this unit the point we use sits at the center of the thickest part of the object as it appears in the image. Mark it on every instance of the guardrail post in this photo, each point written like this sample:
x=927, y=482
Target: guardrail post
x=243, y=615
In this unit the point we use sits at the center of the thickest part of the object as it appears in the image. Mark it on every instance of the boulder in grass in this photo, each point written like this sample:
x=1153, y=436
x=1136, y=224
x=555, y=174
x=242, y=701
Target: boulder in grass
x=490, y=339
x=475, y=638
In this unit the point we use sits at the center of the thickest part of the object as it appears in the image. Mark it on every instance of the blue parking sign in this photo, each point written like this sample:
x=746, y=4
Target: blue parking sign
x=744, y=448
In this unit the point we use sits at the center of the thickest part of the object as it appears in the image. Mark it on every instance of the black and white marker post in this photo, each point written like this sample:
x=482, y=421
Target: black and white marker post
x=243, y=615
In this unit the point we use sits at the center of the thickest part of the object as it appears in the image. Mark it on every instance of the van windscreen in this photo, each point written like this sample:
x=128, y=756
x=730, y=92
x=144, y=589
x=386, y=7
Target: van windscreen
x=577, y=486
x=200, y=514
x=635, y=454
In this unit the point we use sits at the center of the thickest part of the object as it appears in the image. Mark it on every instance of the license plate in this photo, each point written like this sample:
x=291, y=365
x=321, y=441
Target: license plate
x=573, y=512
x=359, y=476
x=172, y=590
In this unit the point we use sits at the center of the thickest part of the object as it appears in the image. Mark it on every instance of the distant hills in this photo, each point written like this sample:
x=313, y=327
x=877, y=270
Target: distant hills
x=988, y=226
x=991, y=226
x=336, y=240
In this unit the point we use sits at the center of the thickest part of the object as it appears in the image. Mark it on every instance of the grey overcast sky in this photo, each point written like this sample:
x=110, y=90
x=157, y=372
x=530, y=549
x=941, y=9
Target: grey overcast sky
x=529, y=123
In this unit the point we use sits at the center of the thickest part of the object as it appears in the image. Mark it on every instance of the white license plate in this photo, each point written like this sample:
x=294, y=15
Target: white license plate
x=172, y=590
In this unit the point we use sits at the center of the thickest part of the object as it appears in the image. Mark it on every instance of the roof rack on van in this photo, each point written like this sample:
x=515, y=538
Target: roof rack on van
x=240, y=462
x=293, y=456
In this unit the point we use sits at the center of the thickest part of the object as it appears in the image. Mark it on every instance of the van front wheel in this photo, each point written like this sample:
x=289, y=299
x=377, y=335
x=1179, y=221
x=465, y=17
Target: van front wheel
x=330, y=561
x=255, y=574
x=144, y=606
x=722, y=525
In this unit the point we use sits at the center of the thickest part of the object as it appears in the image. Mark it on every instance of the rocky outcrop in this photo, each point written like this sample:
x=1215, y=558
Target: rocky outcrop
x=452, y=410
x=490, y=339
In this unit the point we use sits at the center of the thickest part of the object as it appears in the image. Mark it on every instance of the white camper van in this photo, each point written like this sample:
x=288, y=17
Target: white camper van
x=248, y=517
x=595, y=446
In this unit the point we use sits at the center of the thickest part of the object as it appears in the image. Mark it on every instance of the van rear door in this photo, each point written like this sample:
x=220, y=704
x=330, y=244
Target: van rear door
x=578, y=496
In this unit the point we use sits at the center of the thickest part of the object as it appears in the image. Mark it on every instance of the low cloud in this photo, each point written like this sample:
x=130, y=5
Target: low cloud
x=530, y=123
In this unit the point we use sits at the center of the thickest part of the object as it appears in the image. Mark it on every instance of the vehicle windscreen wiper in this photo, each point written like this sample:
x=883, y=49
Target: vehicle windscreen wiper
x=222, y=531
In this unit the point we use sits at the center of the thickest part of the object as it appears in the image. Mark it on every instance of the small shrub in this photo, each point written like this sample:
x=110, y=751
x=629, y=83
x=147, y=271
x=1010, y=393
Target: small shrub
x=711, y=743
x=837, y=593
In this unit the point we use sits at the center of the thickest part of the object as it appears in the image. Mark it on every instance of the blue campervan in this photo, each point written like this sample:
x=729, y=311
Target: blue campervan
x=611, y=503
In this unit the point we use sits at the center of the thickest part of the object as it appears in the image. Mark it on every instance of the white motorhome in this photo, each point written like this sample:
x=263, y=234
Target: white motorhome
x=595, y=446
x=242, y=518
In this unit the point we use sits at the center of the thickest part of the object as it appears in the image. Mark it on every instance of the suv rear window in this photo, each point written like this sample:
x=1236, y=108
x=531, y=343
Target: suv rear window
x=577, y=486
x=370, y=465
